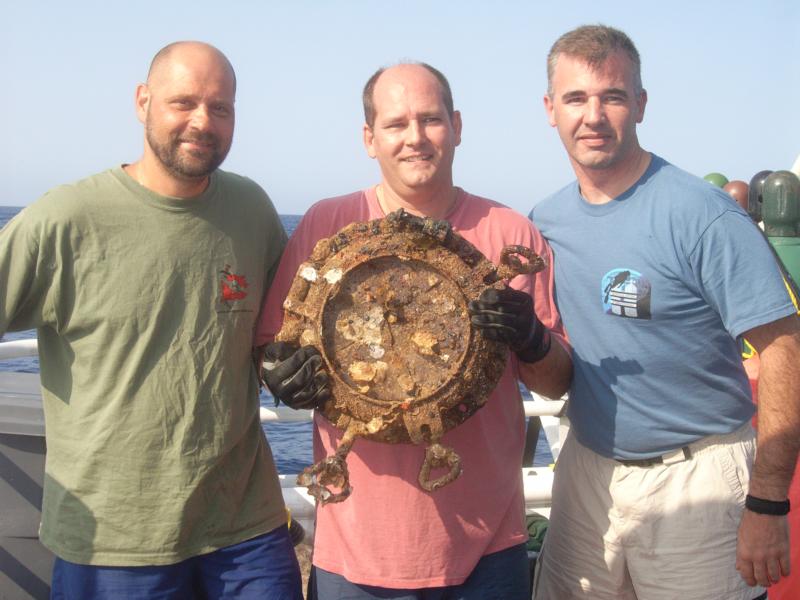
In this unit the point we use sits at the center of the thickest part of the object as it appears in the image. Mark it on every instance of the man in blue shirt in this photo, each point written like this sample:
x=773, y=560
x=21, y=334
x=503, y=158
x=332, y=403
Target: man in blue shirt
x=657, y=274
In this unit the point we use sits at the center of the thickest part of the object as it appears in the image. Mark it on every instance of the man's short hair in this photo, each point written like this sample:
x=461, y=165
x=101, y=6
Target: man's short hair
x=593, y=44
x=369, y=90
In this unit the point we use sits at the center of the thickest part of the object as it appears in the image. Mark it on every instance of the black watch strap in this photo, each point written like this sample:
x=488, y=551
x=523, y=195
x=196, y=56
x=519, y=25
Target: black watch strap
x=766, y=507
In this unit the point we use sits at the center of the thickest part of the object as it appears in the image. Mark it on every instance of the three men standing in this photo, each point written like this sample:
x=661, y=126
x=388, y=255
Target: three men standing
x=144, y=283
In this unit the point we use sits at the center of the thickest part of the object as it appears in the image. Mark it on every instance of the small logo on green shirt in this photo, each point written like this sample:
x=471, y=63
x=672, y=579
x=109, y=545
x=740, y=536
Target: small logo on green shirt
x=233, y=287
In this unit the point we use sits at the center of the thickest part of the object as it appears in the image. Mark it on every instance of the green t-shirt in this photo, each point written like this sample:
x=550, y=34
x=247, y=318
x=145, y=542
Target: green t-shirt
x=144, y=307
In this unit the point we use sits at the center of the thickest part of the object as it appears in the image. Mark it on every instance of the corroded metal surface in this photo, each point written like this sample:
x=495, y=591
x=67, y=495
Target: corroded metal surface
x=385, y=303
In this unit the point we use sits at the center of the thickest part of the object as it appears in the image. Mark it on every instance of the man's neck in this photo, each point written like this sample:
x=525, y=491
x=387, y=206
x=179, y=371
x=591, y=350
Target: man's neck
x=156, y=179
x=599, y=186
x=434, y=204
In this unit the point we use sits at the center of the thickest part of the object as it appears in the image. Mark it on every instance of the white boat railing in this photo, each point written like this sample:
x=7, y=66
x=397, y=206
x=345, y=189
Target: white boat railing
x=538, y=407
x=18, y=349
x=21, y=412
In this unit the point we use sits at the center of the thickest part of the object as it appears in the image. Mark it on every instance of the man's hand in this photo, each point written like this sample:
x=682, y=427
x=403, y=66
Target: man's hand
x=762, y=552
x=507, y=315
x=295, y=376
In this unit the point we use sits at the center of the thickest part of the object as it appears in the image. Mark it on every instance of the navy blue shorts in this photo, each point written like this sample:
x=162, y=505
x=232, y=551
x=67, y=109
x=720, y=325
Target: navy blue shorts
x=264, y=567
x=502, y=575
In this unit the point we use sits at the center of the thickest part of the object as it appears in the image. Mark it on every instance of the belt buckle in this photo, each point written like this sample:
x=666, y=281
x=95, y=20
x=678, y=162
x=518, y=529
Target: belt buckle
x=676, y=456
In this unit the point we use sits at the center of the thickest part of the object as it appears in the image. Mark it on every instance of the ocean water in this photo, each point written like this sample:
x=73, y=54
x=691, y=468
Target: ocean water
x=290, y=442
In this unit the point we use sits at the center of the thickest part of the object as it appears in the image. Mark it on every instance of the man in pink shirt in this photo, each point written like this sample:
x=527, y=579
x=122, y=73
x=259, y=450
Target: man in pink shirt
x=391, y=538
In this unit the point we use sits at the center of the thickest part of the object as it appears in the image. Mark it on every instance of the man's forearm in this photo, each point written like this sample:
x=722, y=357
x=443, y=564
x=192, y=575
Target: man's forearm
x=778, y=409
x=551, y=376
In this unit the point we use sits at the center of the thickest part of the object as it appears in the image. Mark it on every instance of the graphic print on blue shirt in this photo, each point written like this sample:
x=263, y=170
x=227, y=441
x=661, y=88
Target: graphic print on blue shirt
x=626, y=293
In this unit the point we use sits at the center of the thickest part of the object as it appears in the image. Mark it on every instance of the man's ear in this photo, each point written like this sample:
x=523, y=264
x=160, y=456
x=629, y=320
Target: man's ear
x=457, y=124
x=369, y=140
x=641, y=103
x=142, y=101
x=549, y=108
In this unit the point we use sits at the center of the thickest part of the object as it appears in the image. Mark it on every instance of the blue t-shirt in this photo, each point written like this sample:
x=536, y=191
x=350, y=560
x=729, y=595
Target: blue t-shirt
x=654, y=287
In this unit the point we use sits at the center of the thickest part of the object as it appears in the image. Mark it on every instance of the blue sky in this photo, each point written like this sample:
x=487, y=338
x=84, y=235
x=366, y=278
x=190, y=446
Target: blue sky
x=723, y=80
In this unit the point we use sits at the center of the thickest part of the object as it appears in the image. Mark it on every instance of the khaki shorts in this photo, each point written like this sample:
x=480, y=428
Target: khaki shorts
x=666, y=531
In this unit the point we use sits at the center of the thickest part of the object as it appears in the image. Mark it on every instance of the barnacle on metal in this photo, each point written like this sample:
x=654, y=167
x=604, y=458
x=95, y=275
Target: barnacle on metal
x=385, y=303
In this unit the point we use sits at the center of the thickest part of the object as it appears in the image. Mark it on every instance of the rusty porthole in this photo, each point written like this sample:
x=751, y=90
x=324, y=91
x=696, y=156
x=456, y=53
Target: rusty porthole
x=385, y=303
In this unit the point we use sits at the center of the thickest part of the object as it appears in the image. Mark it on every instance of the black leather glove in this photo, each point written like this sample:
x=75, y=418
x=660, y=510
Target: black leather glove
x=507, y=315
x=295, y=376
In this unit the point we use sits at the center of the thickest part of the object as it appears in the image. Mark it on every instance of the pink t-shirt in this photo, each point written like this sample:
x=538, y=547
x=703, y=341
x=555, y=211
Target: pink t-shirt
x=390, y=532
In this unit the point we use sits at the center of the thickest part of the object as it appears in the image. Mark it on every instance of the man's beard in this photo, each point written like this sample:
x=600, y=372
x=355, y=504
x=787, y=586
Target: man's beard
x=186, y=164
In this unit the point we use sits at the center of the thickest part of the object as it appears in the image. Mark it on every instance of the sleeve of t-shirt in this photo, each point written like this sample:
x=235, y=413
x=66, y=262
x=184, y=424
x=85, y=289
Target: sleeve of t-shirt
x=738, y=274
x=276, y=242
x=297, y=250
x=25, y=279
x=541, y=286
x=544, y=292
